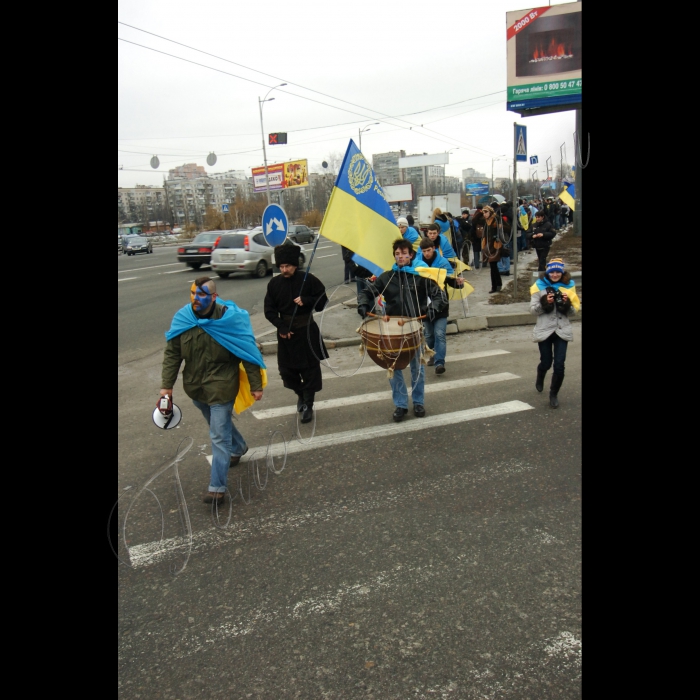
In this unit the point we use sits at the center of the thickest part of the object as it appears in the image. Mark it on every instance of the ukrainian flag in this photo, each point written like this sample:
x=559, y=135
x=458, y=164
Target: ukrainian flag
x=358, y=215
x=568, y=195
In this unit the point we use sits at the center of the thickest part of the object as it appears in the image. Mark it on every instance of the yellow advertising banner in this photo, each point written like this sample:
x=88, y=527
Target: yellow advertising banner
x=296, y=174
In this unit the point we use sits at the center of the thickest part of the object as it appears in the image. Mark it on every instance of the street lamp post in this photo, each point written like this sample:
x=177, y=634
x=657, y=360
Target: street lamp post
x=262, y=129
x=359, y=132
x=492, y=161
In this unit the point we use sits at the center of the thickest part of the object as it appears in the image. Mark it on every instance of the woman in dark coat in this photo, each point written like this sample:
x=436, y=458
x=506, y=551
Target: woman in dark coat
x=540, y=237
x=491, y=244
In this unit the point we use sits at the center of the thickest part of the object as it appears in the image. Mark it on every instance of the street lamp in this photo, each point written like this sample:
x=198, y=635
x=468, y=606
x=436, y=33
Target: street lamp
x=492, y=160
x=365, y=129
x=262, y=129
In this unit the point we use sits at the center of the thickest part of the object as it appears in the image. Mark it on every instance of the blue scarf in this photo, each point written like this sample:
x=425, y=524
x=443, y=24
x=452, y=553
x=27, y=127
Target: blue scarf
x=232, y=330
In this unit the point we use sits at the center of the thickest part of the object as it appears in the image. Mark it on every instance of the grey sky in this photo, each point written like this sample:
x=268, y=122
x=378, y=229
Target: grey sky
x=387, y=59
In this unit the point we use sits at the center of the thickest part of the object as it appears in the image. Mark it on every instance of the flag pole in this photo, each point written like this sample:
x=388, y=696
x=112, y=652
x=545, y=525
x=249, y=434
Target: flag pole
x=308, y=267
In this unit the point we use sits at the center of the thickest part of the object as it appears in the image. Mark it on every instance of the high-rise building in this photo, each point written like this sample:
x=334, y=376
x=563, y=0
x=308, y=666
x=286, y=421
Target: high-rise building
x=142, y=203
x=386, y=167
x=188, y=171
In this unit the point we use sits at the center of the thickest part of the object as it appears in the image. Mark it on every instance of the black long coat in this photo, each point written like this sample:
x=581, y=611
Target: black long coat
x=306, y=347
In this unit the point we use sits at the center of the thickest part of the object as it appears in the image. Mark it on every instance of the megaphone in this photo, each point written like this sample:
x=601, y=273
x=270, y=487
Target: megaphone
x=166, y=414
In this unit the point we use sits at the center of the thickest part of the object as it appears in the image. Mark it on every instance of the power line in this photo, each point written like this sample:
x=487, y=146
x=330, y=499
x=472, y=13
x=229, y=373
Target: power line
x=476, y=148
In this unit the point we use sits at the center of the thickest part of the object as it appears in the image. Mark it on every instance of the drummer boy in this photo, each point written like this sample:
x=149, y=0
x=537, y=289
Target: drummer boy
x=407, y=295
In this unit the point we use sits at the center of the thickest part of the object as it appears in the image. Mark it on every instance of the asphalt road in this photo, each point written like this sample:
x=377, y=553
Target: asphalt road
x=439, y=557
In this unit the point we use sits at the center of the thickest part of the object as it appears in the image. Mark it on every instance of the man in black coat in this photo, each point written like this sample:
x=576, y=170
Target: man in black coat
x=540, y=236
x=409, y=295
x=289, y=305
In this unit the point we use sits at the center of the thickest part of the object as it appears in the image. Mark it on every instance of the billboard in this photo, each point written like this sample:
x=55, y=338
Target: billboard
x=282, y=176
x=425, y=159
x=544, y=59
x=398, y=193
x=477, y=188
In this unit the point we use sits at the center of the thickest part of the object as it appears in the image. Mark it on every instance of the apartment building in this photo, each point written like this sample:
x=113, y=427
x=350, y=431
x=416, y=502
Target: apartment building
x=386, y=167
x=141, y=203
x=189, y=171
x=188, y=199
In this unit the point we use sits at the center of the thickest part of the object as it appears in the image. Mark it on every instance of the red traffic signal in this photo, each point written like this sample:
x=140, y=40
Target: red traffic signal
x=278, y=139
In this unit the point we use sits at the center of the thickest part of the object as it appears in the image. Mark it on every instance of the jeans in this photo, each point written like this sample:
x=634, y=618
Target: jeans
x=361, y=284
x=522, y=241
x=436, y=338
x=226, y=441
x=557, y=221
x=504, y=265
x=552, y=348
x=399, y=393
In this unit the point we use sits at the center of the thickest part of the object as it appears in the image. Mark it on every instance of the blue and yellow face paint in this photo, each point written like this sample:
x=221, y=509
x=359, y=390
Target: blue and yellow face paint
x=200, y=297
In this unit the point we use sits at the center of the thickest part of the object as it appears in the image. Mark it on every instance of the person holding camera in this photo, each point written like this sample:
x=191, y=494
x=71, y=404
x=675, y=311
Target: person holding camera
x=553, y=300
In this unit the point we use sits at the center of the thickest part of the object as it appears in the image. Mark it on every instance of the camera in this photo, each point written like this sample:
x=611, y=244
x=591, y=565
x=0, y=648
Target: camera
x=558, y=298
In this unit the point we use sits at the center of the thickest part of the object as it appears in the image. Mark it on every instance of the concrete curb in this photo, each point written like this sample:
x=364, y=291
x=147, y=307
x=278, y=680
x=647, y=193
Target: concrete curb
x=454, y=326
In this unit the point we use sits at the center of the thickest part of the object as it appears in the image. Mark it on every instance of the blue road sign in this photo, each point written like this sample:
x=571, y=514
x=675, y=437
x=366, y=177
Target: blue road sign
x=534, y=160
x=224, y=208
x=274, y=224
x=520, y=143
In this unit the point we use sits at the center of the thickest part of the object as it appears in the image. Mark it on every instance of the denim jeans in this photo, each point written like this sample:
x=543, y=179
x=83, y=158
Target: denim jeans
x=553, y=348
x=225, y=441
x=504, y=265
x=349, y=271
x=522, y=241
x=399, y=392
x=435, y=337
x=361, y=284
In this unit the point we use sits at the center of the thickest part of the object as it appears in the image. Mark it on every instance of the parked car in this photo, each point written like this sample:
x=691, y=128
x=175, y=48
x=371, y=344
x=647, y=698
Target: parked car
x=198, y=251
x=244, y=251
x=300, y=234
x=138, y=244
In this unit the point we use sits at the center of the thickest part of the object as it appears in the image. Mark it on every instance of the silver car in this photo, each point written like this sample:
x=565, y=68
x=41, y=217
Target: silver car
x=244, y=251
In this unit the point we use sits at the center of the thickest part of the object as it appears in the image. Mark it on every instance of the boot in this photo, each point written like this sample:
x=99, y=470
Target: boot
x=557, y=381
x=300, y=401
x=308, y=407
x=539, y=384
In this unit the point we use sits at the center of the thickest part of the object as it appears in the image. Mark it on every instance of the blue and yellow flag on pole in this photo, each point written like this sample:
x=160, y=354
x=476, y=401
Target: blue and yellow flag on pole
x=358, y=215
x=568, y=195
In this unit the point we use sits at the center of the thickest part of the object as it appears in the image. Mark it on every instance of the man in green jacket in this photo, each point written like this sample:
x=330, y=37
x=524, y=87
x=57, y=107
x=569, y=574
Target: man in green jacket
x=215, y=339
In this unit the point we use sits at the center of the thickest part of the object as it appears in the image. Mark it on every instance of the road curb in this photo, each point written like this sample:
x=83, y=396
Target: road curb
x=454, y=326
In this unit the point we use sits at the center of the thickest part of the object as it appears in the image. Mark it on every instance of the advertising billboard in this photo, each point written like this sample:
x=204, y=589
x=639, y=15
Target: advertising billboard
x=477, y=188
x=282, y=176
x=544, y=59
x=398, y=193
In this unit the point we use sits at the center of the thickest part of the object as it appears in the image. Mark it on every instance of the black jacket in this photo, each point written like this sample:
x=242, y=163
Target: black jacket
x=545, y=228
x=405, y=294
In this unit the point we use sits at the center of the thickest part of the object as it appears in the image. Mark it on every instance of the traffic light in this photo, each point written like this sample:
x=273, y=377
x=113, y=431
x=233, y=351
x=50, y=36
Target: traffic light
x=278, y=139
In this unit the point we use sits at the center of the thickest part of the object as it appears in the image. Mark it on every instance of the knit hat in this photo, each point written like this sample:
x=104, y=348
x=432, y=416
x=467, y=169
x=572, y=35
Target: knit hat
x=555, y=265
x=287, y=254
x=401, y=221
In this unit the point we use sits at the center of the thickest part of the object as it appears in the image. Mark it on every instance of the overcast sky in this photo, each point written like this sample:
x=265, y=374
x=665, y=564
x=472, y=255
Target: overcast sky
x=432, y=73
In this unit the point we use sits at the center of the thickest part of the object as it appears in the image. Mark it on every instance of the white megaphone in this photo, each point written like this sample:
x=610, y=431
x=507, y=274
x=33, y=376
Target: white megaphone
x=166, y=414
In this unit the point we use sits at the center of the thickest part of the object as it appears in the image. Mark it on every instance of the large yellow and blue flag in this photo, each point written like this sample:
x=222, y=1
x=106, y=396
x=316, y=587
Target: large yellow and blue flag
x=568, y=195
x=358, y=215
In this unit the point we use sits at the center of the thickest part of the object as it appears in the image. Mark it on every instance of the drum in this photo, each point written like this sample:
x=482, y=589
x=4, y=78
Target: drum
x=389, y=345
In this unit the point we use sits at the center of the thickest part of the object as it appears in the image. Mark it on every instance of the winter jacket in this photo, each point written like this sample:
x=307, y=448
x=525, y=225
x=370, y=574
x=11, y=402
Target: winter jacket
x=442, y=263
x=405, y=294
x=550, y=319
x=211, y=371
x=491, y=243
x=545, y=228
x=443, y=223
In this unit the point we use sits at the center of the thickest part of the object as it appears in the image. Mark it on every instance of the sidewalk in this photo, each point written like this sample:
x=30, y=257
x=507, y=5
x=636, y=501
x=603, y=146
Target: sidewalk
x=340, y=320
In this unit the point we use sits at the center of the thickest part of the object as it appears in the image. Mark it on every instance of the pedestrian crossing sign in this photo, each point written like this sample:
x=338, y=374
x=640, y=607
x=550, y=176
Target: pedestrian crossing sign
x=520, y=142
x=224, y=208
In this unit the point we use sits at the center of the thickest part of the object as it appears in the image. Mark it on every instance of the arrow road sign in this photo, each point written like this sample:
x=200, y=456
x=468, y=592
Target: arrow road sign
x=274, y=224
x=224, y=208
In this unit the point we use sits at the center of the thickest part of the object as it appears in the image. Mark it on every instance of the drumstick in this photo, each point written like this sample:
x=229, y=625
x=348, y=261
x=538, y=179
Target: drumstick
x=383, y=318
x=411, y=319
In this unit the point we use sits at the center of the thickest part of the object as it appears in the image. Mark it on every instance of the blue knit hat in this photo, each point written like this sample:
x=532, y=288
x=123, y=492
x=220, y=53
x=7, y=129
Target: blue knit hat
x=555, y=265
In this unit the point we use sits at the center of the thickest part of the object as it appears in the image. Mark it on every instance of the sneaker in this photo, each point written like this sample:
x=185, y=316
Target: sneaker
x=440, y=369
x=212, y=497
x=419, y=410
x=399, y=413
x=235, y=459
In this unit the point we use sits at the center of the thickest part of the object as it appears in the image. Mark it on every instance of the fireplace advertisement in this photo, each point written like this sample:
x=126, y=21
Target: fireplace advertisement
x=543, y=53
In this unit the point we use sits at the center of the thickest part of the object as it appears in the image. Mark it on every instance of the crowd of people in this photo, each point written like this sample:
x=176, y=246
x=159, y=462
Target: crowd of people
x=224, y=369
